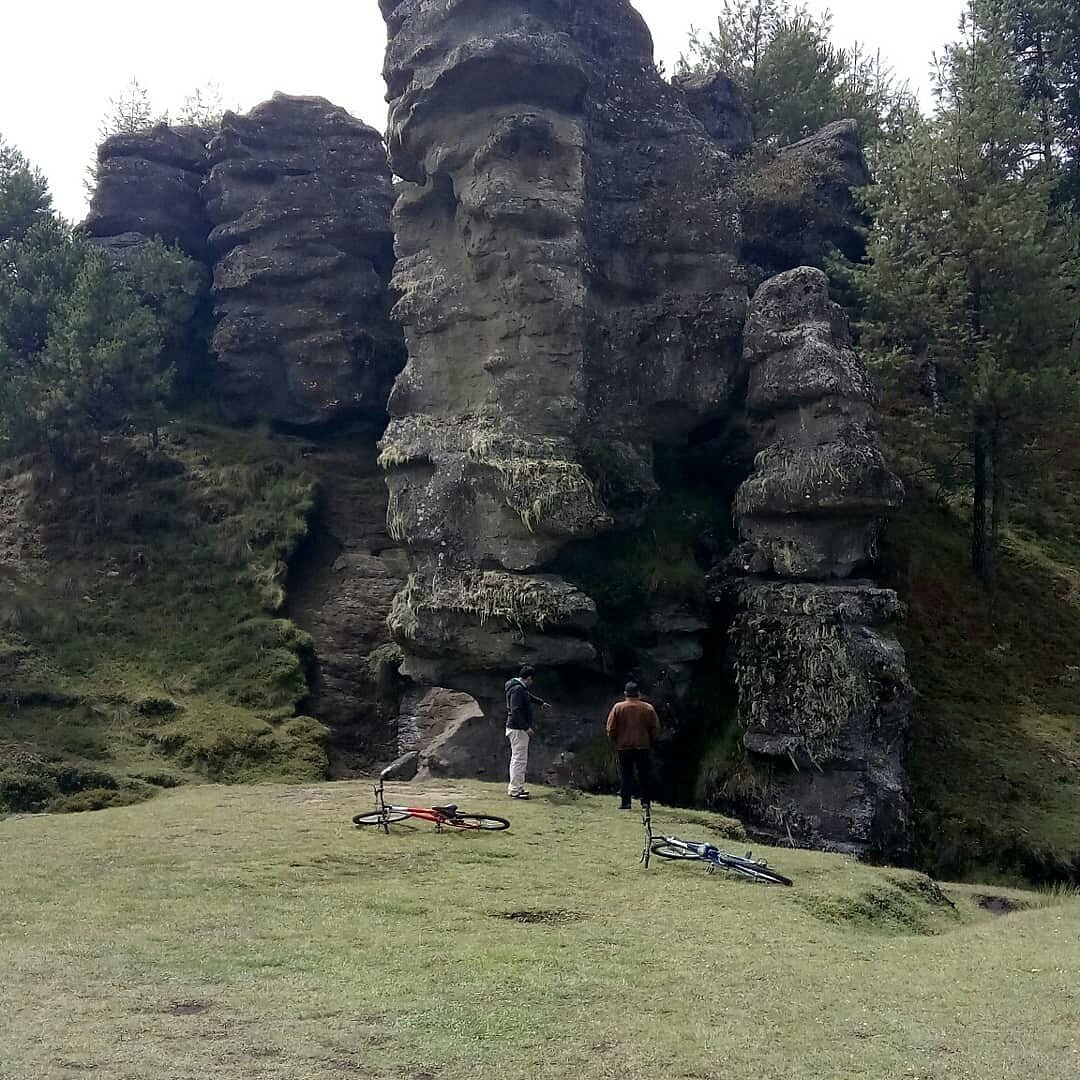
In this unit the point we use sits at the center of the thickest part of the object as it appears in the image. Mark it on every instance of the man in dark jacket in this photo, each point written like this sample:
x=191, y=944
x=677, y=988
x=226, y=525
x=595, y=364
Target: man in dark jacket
x=519, y=727
x=632, y=725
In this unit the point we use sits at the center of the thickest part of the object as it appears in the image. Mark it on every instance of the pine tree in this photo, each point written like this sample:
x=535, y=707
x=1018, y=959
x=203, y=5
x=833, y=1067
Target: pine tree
x=81, y=351
x=129, y=112
x=796, y=80
x=203, y=107
x=24, y=194
x=1043, y=37
x=98, y=373
x=970, y=273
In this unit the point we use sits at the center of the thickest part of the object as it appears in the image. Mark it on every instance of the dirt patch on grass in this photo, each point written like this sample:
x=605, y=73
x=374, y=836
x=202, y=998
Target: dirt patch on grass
x=189, y=1008
x=544, y=917
x=1000, y=905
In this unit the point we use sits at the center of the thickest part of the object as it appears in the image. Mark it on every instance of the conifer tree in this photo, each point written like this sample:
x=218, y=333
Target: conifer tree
x=796, y=80
x=970, y=273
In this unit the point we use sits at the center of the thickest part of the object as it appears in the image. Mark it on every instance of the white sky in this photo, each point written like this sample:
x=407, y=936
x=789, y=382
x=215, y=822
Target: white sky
x=63, y=59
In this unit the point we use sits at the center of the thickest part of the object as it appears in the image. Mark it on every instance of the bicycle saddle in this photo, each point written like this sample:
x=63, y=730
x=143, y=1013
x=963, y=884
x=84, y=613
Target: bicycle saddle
x=446, y=811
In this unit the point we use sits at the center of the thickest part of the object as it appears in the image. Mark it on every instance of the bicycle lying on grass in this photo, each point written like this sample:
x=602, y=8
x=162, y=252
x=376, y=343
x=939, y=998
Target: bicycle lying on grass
x=671, y=847
x=385, y=815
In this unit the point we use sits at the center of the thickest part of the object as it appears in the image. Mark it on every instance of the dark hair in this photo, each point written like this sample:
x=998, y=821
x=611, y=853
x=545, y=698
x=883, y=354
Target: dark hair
x=527, y=672
x=632, y=690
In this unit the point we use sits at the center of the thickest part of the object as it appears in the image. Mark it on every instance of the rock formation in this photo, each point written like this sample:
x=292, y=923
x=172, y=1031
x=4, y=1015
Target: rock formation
x=821, y=679
x=720, y=104
x=816, y=502
x=148, y=184
x=299, y=195
x=570, y=292
x=340, y=588
x=801, y=204
x=573, y=296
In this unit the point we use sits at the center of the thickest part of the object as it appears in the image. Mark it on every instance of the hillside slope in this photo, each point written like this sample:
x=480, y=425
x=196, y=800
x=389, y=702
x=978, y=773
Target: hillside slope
x=152, y=650
x=252, y=932
x=995, y=757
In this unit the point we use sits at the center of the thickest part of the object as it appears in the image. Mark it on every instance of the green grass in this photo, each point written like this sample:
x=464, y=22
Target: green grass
x=157, y=644
x=252, y=932
x=995, y=759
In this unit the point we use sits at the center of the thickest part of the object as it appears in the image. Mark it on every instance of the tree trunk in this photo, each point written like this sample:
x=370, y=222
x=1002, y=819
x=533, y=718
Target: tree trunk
x=982, y=555
x=1045, y=120
x=999, y=495
x=99, y=499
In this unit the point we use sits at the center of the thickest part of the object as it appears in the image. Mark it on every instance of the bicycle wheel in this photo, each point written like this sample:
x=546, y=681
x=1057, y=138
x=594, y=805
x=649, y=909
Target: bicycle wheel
x=377, y=818
x=754, y=871
x=487, y=822
x=669, y=851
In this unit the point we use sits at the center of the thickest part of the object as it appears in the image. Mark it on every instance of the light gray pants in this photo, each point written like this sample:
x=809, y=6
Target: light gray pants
x=519, y=759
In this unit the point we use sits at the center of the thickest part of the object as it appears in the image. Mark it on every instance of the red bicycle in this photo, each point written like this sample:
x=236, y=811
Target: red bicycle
x=385, y=815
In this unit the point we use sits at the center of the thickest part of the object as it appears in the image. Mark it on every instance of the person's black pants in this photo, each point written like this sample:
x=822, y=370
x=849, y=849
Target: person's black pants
x=636, y=763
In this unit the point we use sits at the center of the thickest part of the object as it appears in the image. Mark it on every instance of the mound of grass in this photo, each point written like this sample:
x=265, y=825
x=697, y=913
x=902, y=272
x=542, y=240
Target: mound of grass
x=995, y=759
x=234, y=932
x=159, y=637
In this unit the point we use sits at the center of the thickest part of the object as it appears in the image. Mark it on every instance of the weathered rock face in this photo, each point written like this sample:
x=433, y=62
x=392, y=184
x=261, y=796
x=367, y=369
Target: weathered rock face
x=816, y=502
x=299, y=194
x=340, y=590
x=826, y=702
x=821, y=679
x=148, y=184
x=720, y=104
x=570, y=290
x=801, y=204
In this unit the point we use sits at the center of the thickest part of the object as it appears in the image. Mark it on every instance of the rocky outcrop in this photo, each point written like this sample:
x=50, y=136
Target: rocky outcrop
x=570, y=291
x=823, y=693
x=299, y=194
x=720, y=104
x=817, y=499
x=801, y=204
x=148, y=184
x=341, y=586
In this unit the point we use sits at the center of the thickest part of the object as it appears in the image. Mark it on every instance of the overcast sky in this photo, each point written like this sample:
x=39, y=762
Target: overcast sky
x=64, y=59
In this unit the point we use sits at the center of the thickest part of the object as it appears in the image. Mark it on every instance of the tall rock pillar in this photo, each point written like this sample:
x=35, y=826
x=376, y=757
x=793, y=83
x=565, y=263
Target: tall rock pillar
x=569, y=289
x=823, y=692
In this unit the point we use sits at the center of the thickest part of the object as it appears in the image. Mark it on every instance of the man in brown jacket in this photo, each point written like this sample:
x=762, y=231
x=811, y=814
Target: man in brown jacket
x=632, y=725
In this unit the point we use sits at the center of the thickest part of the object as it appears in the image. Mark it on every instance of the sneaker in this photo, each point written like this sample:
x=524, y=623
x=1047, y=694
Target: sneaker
x=519, y=794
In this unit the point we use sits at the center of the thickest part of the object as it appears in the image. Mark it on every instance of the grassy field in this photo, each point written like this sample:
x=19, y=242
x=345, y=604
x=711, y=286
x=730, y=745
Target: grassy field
x=253, y=933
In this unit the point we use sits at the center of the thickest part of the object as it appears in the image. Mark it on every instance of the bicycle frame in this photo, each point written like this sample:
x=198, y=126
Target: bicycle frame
x=434, y=814
x=646, y=820
x=712, y=856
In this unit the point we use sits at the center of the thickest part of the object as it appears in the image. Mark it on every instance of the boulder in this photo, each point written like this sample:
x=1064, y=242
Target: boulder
x=299, y=194
x=404, y=767
x=817, y=499
x=801, y=203
x=148, y=183
x=825, y=703
x=720, y=104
